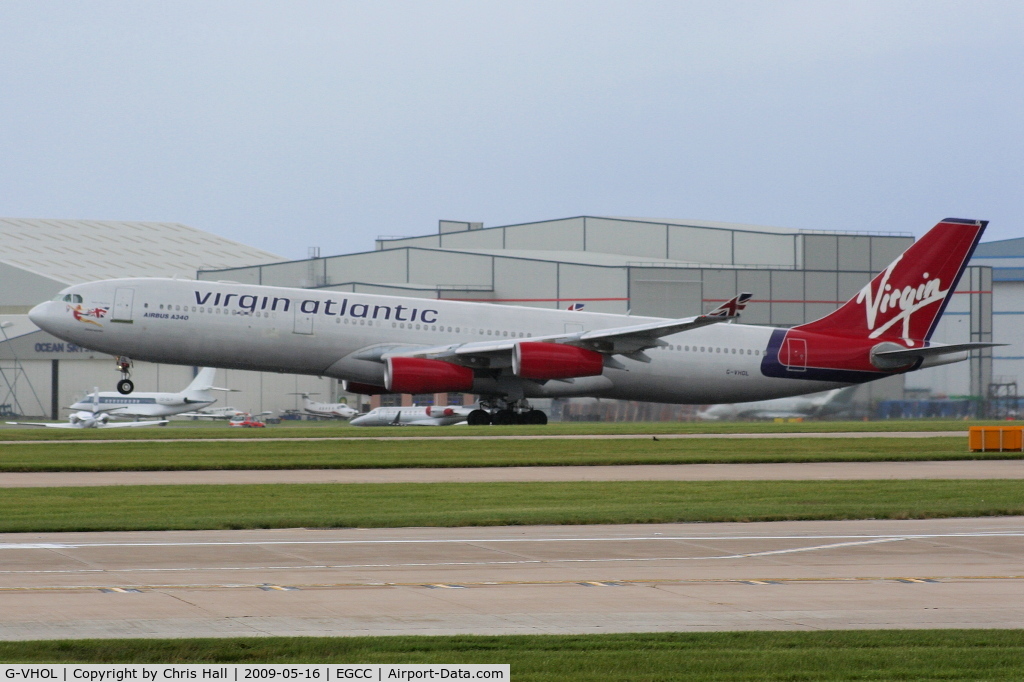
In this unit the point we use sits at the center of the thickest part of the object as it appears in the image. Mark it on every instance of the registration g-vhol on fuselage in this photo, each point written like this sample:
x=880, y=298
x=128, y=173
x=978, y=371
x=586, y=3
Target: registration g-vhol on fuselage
x=508, y=354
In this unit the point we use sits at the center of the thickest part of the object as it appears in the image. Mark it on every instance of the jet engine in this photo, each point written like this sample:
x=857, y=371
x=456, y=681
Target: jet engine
x=539, y=360
x=361, y=389
x=418, y=375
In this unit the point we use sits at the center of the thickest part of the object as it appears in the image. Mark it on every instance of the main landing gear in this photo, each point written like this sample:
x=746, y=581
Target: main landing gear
x=506, y=413
x=124, y=366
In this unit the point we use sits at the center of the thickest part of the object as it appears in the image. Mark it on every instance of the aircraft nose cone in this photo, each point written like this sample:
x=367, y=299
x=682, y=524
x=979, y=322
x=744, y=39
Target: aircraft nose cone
x=41, y=314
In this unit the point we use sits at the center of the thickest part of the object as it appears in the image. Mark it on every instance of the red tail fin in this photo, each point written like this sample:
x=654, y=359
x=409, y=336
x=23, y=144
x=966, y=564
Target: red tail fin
x=905, y=301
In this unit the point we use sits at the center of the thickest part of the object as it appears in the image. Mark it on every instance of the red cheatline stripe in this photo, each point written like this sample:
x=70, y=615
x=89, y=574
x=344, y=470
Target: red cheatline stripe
x=774, y=300
x=801, y=300
x=706, y=300
x=531, y=300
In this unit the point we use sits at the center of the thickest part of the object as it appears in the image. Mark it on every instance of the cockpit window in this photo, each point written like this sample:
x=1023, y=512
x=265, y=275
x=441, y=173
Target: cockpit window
x=70, y=298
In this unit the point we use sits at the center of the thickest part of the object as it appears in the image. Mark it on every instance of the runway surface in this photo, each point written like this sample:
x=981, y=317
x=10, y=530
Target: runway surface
x=455, y=437
x=568, y=579
x=814, y=471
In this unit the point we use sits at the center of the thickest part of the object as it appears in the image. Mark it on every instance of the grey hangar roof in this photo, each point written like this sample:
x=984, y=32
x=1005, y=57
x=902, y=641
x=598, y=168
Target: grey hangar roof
x=41, y=256
x=614, y=264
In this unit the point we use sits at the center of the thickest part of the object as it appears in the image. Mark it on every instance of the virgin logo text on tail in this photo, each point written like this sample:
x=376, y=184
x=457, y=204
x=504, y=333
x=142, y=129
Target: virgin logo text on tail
x=908, y=300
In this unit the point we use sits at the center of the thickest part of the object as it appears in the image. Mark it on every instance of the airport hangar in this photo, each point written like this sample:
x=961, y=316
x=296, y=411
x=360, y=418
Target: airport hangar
x=639, y=266
x=41, y=374
x=662, y=268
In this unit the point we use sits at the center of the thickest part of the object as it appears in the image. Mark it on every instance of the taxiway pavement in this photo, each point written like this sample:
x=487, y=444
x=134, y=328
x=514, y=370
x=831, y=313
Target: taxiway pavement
x=941, y=573
x=808, y=471
x=455, y=437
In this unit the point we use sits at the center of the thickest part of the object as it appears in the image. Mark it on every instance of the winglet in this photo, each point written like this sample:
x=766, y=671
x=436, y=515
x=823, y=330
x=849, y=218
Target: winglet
x=732, y=307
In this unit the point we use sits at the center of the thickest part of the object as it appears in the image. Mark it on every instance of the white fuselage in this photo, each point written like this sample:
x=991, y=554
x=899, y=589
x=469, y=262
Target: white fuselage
x=335, y=410
x=342, y=335
x=141, y=404
x=778, y=408
x=412, y=416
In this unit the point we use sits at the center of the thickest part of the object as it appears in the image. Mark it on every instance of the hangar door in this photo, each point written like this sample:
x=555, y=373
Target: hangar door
x=665, y=297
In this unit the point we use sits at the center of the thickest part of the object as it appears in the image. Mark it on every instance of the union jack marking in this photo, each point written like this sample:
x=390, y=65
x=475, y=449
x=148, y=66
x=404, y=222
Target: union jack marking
x=732, y=307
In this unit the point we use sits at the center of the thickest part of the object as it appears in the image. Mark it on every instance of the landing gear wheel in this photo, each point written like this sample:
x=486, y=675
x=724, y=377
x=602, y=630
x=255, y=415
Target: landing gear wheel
x=124, y=366
x=535, y=418
x=504, y=418
x=479, y=418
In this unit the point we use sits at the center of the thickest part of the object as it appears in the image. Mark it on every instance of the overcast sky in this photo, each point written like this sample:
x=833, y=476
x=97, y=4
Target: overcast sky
x=292, y=124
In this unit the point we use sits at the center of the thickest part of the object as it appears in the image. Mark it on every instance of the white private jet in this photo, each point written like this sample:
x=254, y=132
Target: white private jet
x=337, y=410
x=795, y=407
x=215, y=413
x=196, y=395
x=413, y=416
x=93, y=416
x=507, y=354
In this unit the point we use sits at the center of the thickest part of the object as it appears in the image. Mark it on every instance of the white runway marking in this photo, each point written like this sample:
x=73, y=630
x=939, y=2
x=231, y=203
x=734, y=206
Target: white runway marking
x=519, y=562
x=847, y=574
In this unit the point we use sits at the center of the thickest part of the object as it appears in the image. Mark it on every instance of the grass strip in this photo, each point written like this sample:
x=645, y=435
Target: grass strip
x=270, y=454
x=336, y=429
x=832, y=655
x=495, y=504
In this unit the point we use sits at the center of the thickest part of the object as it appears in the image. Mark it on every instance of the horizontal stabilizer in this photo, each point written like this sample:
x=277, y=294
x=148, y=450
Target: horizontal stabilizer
x=932, y=354
x=929, y=351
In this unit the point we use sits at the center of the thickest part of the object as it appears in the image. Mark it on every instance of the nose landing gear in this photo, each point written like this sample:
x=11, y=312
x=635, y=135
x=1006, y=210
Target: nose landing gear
x=125, y=385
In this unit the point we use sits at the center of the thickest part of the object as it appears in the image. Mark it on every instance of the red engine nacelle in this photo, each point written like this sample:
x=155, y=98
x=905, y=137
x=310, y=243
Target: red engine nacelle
x=362, y=389
x=439, y=411
x=417, y=375
x=539, y=360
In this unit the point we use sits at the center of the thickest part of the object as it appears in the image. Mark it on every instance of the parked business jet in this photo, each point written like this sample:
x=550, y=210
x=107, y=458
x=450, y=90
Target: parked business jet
x=196, y=395
x=507, y=355
x=92, y=416
x=216, y=413
x=442, y=415
x=338, y=410
x=796, y=407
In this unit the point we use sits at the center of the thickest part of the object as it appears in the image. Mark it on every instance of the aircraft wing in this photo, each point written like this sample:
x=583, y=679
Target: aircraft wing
x=113, y=410
x=49, y=426
x=629, y=341
x=121, y=425
x=69, y=425
x=775, y=414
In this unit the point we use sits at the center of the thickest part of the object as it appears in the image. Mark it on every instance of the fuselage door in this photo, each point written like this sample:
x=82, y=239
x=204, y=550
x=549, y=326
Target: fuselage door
x=795, y=354
x=123, y=305
x=303, y=322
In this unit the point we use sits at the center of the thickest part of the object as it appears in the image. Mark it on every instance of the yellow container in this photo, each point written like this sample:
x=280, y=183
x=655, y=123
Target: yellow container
x=996, y=438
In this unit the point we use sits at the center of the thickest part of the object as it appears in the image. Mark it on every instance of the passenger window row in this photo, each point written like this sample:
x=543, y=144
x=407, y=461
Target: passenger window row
x=712, y=349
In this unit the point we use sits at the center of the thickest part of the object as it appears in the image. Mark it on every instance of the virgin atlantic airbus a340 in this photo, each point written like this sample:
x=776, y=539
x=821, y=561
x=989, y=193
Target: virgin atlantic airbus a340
x=507, y=354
